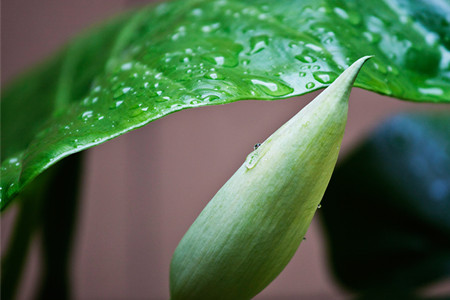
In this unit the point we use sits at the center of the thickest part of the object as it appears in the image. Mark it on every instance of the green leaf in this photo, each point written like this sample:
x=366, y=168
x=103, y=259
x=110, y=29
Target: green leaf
x=47, y=211
x=386, y=209
x=177, y=55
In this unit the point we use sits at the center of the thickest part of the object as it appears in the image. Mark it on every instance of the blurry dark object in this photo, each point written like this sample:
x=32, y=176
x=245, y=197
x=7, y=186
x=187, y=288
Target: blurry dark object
x=387, y=209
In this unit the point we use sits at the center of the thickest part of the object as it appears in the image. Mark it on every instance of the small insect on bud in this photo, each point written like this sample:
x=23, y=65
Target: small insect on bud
x=252, y=227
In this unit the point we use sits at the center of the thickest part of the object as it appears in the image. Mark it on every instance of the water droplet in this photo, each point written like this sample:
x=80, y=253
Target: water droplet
x=272, y=88
x=87, y=114
x=213, y=75
x=126, y=66
x=121, y=91
x=210, y=97
x=230, y=60
x=245, y=62
x=197, y=12
x=432, y=91
x=116, y=104
x=138, y=109
x=325, y=77
x=256, y=146
x=259, y=43
x=302, y=74
x=319, y=206
x=220, y=60
x=328, y=40
x=252, y=159
x=341, y=13
x=313, y=47
x=305, y=58
x=195, y=102
x=185, y=59
x=13, y=160
x=310, y=85
x=211, y=27
x=76, y=143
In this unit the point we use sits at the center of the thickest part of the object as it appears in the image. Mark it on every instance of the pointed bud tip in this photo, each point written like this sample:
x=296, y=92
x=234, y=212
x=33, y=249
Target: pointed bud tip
x=345, y=81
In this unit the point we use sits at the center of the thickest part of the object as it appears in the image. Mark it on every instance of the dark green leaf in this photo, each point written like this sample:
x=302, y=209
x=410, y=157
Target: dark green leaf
x=48, y=206
x=185, y=54
x=386, y=210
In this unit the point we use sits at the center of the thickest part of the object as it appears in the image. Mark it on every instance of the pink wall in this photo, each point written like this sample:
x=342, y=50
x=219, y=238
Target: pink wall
x=144, y=189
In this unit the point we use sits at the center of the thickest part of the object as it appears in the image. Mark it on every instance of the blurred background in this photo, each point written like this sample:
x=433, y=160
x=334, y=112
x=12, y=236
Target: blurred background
x=142, y=190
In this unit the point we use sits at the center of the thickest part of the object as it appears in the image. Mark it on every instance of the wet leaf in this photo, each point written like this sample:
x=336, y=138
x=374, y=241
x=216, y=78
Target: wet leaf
x=177, y=55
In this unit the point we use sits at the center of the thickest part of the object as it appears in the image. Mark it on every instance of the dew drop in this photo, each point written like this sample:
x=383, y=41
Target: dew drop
x=272, y=88
x=432, y=91
x=220, y=60
x=341, y=13
x=324, y=77
x=259, y=43
x=213, y=75
x=229, y=61
x=310, y=85
x=87, y=114
x=302, y=74
x=126, y=66
x=116, y=104
x=195, y=102
x=252, y=159
x=210, y=28
x=121, y=92
x=138, y=110
x=210, y=98
x=328, y=40
x=307, y=59
x=13, y=160
x=197, y=12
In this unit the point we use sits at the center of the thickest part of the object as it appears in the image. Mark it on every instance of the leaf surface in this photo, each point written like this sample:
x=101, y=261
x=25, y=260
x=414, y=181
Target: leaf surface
x=177, y=55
